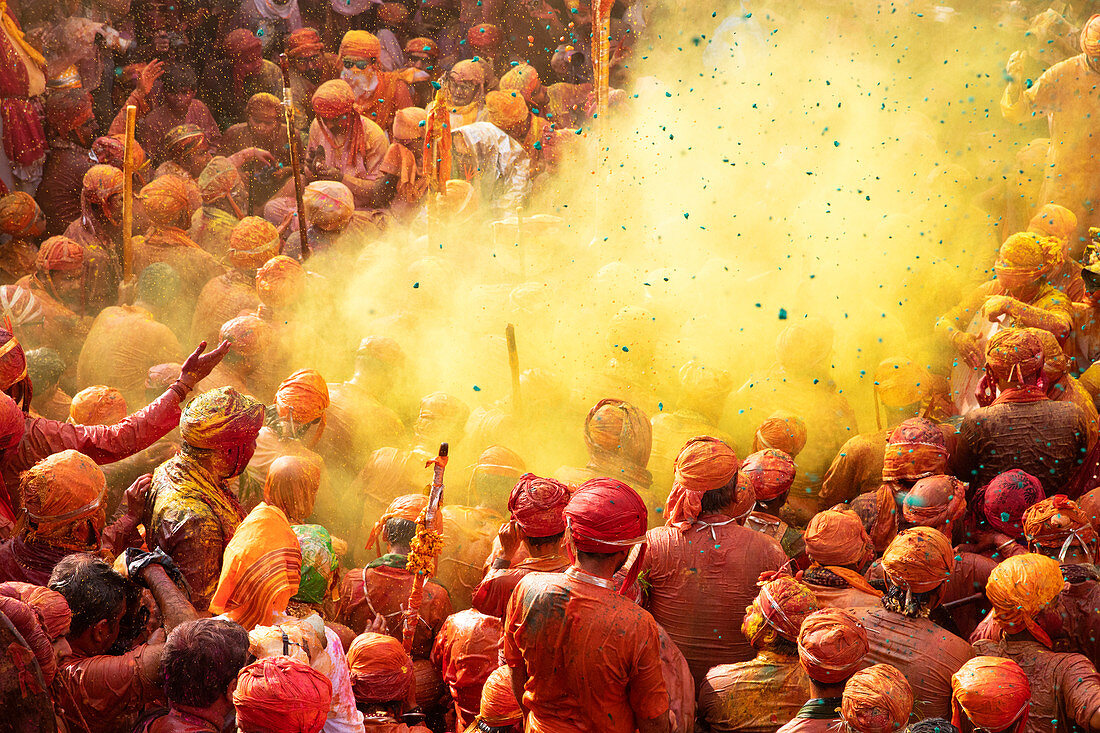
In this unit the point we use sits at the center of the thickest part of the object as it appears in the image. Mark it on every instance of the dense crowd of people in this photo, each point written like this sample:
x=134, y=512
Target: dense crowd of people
x=202, y=530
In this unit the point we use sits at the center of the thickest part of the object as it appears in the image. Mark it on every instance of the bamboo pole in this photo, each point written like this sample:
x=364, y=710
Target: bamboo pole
x=128, y=195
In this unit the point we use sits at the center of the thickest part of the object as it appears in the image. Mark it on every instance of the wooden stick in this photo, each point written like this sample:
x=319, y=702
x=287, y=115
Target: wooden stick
x=513, y=364
x=128, y=195
x=295, y=157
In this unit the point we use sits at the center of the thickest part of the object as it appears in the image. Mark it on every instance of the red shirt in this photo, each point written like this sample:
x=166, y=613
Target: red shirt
x=492, y=593
x=467, y=650
x=592, y=657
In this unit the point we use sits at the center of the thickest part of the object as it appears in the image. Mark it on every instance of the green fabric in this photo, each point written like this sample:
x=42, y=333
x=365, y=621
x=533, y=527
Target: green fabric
x=390, y=560
x=821, y=708
x=318, y=562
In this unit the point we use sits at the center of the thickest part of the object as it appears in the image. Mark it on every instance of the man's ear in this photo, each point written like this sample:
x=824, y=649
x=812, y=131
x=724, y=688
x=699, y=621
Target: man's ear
x=101, y=632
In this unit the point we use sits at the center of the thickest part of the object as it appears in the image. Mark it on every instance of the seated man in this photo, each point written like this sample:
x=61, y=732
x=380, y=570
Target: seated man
x=224, y=199
x=465, y=92
x=378, y=94
x=383, y=682
x=202, y=659
x=310, y=66
x=344, y=146
x=491, y=160
x=106, y=681
x=244, y=72
x=264, y=127
x=253, y=242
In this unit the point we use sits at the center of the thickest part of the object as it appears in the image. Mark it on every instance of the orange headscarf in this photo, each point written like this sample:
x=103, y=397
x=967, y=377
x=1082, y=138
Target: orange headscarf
x=18, y=213
x=1019, y=588
x=835, y=538
x=1053, y=220
x=919, y=559
x=619, y=438
x=1056, y=524
x=165, y=201
x=291, y=485
x=303, y=398
x=993, y=693
x=280, y=695
x=915, y=449
x=253, y=242
x=360, y=44
x=261, y=569
x=221, y=418
x=280, y=281
x=381, y=670
x=49, y=606
x=498, y=701
x=403, y=507
x=248, y=335
x=831, y=645
x=1090, y=37
x=1014, y=354
x=98, y=405
x=877, y=700
x=770, y=473
x=783, y=431
x=59, y=492
x=783, y=603
x=899, y=382
x=704, y=464
x=935, y=501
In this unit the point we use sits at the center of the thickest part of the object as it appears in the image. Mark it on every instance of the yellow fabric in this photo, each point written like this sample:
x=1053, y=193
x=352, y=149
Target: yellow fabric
x=17, y=35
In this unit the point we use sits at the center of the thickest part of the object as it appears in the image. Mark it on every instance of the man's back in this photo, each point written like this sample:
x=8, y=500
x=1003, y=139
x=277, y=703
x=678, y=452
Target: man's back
x=700, y=584
x=1046, y=439
x=592, y=657
x=925, y=653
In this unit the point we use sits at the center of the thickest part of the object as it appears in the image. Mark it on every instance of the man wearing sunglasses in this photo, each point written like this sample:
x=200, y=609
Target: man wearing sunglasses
x=378, y=94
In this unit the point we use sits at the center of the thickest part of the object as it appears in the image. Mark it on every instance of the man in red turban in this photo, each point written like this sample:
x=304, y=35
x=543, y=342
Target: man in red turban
x=382, y=587
x=280, y=695
x=770, y=688
x=581, y=655
x=831, y=647
x=190, y=512
x=537, y=525
x=72, y=126
x=770, y=473
x=917, y=565
x=704, y=562
x=1019, y=426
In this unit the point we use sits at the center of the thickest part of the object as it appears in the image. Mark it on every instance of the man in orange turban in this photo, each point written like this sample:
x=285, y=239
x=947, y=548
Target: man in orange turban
x=831, y=647
x=839, y=550
x=280, y=282
x=344, y=145
x=383, y=681
x=23, y=221
x=252, y=242
x=619, y=438
x=59, y=286
x=770, y=473
x=191, y=512
x=382, y=587
x=537, y=525
x=378, y=94
x=772, y=686
x=616, y=686
x=1057, y=527
x=169, y=209
x=990, y=693
x=62, y=513
x=98, y=405
x=98, y=229
x=261, y=569
x=300, y=402
x=499, y=709
x=704, y=562
x=404, y=165
x=280, y=695
x=917, y=565
x=1021, y=590
x=508, y=111
x=1020, y=427
x=310, y=66
x=877, y=700
x=264, y=127
x=783, y=431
